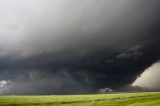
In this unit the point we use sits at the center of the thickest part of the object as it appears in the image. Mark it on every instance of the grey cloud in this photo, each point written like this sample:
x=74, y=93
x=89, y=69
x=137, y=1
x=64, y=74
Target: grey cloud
x=69, y=25
x=4, y=83
x=132, y=53
x=76, y=46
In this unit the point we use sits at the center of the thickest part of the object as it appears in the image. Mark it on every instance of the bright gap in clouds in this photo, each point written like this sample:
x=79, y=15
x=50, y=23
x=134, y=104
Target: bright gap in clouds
x=149, y=78
x=3, y=84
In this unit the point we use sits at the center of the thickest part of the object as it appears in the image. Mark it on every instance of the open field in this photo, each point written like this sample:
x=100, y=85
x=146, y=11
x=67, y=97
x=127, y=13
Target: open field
x=122, y=99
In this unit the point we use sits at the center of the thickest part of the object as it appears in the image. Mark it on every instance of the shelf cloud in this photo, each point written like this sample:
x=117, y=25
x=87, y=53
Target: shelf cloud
x=74, y=46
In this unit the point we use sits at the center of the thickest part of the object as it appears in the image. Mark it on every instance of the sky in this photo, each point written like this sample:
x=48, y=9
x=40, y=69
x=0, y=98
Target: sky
x=75, y=46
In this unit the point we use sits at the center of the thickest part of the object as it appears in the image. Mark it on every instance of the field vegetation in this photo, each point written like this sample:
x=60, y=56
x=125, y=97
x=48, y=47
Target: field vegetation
x=118, y=99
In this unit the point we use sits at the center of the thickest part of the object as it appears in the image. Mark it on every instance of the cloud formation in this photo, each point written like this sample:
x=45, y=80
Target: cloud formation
x=150, y=77
x=71, y=46
x=3, y=84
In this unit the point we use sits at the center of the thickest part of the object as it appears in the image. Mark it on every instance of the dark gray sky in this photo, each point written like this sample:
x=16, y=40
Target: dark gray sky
x=68, y=46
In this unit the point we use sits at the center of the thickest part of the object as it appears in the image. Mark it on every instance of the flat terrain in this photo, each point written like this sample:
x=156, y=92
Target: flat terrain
x=121, y=99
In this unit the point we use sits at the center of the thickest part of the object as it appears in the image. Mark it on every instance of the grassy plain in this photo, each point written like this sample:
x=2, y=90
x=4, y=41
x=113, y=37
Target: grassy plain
x=120, y=99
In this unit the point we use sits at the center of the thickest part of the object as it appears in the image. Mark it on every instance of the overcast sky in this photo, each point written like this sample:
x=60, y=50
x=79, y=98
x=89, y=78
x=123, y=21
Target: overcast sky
x=67, y=46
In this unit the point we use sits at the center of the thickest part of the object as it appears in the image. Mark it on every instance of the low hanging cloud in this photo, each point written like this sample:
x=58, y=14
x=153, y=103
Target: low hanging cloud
x=3, y=84
x=73, y=46
x=150, y=77
x=133, y=53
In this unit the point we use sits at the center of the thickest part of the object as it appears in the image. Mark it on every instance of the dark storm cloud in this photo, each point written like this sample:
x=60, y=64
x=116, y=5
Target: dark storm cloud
x=76, y=46
x=131, y=53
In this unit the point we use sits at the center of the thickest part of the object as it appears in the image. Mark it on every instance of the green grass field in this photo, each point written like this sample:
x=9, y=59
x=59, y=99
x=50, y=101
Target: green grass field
x=121, y=99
